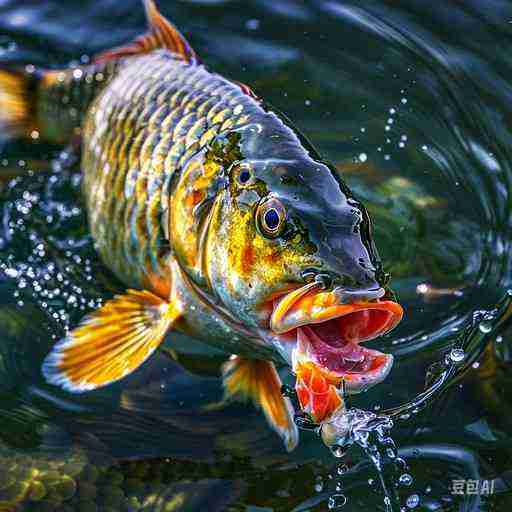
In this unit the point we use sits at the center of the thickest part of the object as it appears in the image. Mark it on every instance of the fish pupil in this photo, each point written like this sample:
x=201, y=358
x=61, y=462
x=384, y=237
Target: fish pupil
x=272, y=219
x=244, y=176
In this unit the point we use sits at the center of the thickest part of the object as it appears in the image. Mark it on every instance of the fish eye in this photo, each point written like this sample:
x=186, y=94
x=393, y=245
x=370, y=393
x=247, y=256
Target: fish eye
x=271, y=217
x=244, y=176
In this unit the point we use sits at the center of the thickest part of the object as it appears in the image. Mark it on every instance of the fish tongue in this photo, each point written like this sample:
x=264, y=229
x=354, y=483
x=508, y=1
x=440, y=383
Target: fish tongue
x=343, y=357
x=330, y=347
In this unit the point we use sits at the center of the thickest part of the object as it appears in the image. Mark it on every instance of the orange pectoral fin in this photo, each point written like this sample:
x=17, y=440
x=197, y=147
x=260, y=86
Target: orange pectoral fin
x=111, y=342
x=259, y=381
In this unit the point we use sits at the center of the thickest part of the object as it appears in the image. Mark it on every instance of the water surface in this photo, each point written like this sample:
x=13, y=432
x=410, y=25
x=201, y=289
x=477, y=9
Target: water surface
x=413, y=102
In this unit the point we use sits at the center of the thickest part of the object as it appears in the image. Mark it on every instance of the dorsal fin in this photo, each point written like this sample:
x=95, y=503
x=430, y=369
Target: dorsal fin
x=162, y=34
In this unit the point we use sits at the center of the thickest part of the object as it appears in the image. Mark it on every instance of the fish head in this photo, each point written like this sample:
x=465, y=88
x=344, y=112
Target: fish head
x=293, y=258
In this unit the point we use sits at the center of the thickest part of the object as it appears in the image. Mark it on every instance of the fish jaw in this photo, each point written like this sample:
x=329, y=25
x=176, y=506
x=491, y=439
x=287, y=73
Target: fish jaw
x=322, y=331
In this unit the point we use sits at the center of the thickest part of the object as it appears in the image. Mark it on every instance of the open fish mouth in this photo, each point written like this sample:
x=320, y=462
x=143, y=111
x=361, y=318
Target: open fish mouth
x=328, y=327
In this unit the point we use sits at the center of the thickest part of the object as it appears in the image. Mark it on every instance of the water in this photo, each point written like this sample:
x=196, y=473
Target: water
x=412, y=102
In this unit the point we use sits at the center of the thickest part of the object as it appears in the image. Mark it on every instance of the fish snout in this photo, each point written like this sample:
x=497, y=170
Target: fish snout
x=346, y=292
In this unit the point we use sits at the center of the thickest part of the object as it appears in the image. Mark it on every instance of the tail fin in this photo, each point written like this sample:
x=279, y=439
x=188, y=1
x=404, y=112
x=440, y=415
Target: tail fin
x=16, y=104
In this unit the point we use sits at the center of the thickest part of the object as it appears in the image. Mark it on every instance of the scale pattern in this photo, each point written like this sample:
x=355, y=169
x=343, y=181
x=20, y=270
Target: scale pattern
x=153, y=119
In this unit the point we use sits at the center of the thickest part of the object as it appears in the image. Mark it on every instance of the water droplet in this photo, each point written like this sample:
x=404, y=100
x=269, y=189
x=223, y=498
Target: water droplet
x=413, y=501
x=371, y=481
x=476, y=365
x=401, y=464
x=339, y=486
x=252, y=24
x=485, y=327
x=336, y=501
x=342, y=469
x=499, y=339
x=405, y=479
x=363, y=157
x=339, y=451
x=457, y=355
x=287, y=391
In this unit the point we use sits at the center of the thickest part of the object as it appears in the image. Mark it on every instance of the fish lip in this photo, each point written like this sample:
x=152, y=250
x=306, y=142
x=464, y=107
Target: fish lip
x=299, y=310
x=309, y=304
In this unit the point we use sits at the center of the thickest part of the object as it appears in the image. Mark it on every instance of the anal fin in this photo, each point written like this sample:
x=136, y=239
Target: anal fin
x=258, y=380
x=111, y=342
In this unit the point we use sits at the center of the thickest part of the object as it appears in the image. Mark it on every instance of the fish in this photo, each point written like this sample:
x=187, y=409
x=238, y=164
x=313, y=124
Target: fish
x=221, y=220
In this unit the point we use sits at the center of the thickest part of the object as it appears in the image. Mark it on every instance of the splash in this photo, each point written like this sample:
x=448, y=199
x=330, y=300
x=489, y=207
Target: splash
x=371, y=432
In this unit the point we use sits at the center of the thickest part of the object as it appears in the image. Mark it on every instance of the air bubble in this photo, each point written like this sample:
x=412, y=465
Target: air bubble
x=363, y=157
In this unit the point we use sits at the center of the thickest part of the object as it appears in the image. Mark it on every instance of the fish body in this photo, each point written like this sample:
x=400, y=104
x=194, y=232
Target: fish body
x=222, y=221
x=157, y=142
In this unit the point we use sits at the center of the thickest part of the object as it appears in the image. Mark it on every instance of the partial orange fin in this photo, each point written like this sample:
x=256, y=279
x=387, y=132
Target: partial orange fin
x=111, y=342
x=162, y=34
x=259, y=381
